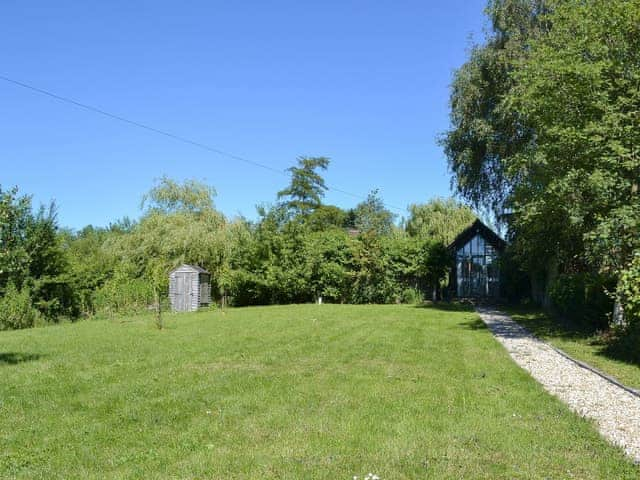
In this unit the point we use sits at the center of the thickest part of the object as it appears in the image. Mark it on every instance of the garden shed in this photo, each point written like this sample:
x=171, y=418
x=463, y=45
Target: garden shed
x=476, y=272
x=189, y=288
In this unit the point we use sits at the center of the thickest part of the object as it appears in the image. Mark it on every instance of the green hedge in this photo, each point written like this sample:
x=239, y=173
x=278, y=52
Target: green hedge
x=583, y=299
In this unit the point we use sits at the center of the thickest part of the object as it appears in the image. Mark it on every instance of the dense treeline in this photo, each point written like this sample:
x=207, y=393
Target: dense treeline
x=546, y=133
x=298, y=250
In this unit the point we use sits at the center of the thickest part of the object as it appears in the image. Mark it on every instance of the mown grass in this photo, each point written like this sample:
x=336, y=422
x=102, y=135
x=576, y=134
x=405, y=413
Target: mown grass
x=603, y=352
x=292, y=392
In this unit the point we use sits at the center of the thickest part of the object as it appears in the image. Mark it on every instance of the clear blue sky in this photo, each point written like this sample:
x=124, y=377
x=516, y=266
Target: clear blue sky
x=362, y=82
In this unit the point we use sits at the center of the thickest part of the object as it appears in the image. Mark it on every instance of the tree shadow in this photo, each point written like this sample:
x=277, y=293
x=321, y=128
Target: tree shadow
x=612, y=345
x=542, y=324
x=475, y=324
x=447, y=306
x=625, y=348
x=14, y=358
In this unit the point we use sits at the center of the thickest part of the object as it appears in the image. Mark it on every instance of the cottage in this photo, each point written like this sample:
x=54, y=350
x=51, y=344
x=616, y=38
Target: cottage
x=476, y=271
x=189, y=288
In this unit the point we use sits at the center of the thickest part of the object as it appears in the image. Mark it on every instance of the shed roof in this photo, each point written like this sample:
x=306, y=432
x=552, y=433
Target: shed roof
x=478, y=227
x=189, y=268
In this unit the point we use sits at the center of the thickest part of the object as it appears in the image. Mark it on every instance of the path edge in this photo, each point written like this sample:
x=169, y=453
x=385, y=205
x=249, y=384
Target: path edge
x=579, y=363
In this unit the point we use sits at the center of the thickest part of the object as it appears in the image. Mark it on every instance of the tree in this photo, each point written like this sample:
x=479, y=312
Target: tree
x=169, y=196
x=327, y=217
x=438, y=220
x=545, y=123
x=31, y=255
x=304, y=193
x=579, y=90
x=485, y=132
x=15, y=216
x=436, y=264
x=371, y=216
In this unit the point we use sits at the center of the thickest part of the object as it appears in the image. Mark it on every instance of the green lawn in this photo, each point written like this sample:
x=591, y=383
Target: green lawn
x=588, y=347
x=292, y=392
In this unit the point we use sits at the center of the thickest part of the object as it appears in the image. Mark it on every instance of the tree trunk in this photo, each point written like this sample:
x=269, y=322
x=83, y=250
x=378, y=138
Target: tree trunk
x=618, y=314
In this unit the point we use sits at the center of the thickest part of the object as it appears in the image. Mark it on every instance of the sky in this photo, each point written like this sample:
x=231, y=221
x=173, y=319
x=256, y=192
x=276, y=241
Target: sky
x=365, y=83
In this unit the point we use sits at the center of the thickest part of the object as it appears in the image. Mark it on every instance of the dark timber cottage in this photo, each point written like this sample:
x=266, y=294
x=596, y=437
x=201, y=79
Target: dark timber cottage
x=476, y=272
x=189, y=288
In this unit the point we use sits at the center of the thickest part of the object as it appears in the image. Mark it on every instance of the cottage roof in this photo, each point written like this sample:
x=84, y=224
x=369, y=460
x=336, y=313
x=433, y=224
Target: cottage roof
x=480, y=228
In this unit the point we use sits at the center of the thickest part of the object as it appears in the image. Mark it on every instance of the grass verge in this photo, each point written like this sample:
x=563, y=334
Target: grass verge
x=597, y=349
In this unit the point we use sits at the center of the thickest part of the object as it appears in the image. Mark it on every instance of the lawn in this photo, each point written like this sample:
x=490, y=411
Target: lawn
x=291, y=392
x=605, y=355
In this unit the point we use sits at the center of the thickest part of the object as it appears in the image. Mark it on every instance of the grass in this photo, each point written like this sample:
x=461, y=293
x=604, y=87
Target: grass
x=595, y=349
x=291, y=392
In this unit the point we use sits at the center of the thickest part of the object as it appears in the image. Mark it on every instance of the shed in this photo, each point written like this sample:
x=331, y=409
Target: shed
x=476, y=272
x=189, y=288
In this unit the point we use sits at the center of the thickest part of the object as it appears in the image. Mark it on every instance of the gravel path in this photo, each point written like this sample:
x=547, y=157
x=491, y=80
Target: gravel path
x=615, y=411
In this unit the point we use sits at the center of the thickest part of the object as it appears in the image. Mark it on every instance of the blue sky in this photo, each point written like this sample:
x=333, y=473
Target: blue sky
x=362, y=82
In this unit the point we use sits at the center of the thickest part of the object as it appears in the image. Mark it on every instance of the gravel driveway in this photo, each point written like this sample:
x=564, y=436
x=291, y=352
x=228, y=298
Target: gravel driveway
x=615, y=411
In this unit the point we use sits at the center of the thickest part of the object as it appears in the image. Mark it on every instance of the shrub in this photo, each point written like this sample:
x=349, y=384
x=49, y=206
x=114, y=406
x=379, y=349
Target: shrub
x=412, y=296
x=16, y=309
x=628, y=293
x=122, y=295
x=583, y=299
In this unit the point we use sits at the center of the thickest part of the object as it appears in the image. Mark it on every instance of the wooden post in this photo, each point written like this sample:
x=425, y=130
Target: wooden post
x=158, y=308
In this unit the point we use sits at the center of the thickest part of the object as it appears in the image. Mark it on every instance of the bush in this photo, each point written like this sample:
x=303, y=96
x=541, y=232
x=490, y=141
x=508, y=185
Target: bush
x=122, y=295
x=515, y=284
x=16, y=309
x=411, y=296
x=583, y=299
x=628, y=293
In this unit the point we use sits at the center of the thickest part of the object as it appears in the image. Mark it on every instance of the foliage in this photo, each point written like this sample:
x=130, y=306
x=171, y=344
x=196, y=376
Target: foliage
x=372, y=217
x=583, y=299
x=439, y=219
x=16, y=309
x=328, y=258
x=628, y=294
x=485, y=131
x=515, y=283
x=169, y=196
x=577, y=189
x=326, y=217
x=124, y=295
x=435, y=265
x=545, y=128
x=307, y=186
x=15, y=215
x=298, y=251
x=31, y=255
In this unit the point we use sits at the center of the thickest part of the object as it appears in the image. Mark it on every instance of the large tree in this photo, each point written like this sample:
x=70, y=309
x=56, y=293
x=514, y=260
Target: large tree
x=372, y=217
x=485, y=132
x=579, y=90
x=304, y=193
x=545, y=122
x=438, y=220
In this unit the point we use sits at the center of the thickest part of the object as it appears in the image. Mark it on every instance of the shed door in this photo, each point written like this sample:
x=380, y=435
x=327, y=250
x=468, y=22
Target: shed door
x=183, y=292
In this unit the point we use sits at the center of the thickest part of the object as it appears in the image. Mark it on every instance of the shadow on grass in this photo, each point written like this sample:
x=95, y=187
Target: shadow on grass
x=612, y=345
x=447, y=306
x=13, y=358
x=475, y=324
x=623, y=348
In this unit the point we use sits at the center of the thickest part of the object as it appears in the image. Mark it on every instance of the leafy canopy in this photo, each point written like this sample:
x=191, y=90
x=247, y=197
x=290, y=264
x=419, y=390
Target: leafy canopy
x=304, y=193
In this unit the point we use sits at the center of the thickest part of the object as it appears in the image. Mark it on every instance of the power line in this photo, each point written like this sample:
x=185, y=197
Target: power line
x=167, y=134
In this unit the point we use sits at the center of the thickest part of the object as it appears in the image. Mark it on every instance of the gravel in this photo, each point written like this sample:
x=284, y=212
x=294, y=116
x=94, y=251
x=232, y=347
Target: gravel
x=615, y=411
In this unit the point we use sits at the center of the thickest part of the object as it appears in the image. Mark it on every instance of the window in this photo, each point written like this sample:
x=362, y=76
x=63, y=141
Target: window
x=477, y=269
